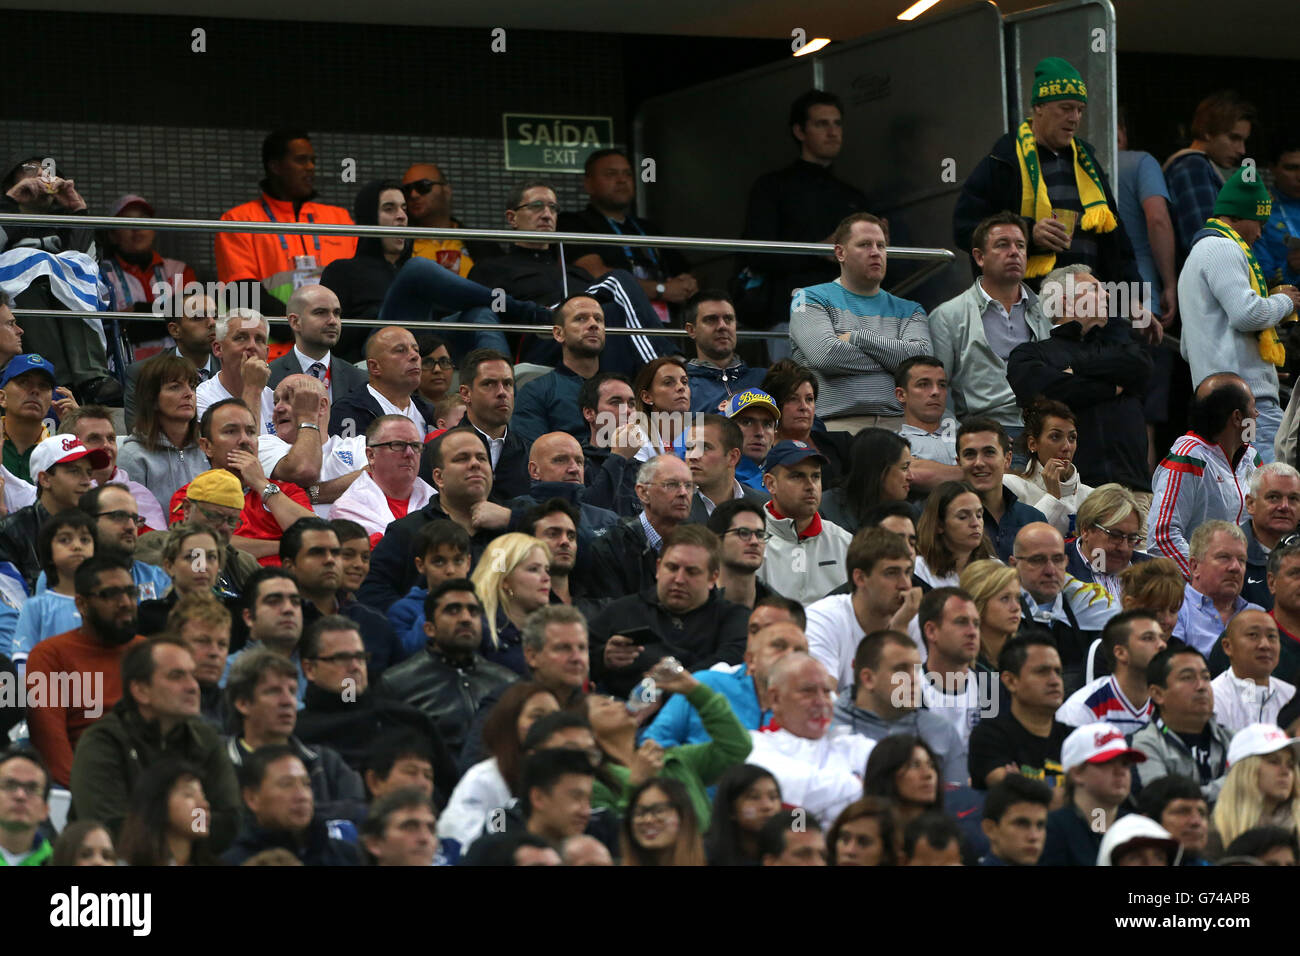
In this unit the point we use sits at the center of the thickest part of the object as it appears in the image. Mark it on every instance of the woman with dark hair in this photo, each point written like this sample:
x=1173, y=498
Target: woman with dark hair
x=794, y=389
x=660, y=828
x=663, y=395
x=747, y=797
x=950, y=535
x=168, y=819
x=862, y=835
x=904, y=770
x=162, y=452
x=879, y=466
x=1049, y=481
x=491, y=783
x=436, y=367
x=84, y=843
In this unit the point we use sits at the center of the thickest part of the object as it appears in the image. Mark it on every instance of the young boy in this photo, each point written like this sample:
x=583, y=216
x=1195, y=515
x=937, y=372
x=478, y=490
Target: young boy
x=64, y=541
x=441, y=553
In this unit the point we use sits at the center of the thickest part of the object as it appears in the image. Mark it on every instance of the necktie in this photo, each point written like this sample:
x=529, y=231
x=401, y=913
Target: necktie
x=317, y=370
x=204, y=374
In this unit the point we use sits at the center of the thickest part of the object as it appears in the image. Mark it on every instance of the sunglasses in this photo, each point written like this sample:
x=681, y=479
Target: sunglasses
x=422, y=186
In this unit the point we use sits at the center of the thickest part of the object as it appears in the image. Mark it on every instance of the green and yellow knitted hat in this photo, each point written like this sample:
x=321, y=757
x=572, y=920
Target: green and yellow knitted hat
x=1244, y=197
x=1056, y=79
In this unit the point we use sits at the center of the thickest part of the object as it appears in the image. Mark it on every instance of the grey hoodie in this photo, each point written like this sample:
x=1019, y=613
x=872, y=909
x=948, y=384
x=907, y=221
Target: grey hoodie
x=162, y=471
x=940, y=734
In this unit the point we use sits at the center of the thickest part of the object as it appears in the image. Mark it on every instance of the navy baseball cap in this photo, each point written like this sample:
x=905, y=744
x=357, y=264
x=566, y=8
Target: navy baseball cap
x=791, y=452
x=27, y=362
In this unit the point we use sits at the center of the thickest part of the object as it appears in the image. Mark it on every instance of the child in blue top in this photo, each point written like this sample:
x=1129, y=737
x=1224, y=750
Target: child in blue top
x=441, y=553
x=64, y=541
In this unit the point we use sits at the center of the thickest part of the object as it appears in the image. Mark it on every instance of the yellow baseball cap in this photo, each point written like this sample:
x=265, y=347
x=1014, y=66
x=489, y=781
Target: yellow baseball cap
x=218, y=487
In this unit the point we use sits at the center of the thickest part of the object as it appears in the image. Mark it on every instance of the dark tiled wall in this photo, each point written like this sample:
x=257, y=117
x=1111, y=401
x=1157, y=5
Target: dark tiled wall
x=123, y=105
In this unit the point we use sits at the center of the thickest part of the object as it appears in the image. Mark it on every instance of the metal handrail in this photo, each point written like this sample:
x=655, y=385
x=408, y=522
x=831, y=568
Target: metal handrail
x=934, y=259
x=380, y=323
x=416, y=232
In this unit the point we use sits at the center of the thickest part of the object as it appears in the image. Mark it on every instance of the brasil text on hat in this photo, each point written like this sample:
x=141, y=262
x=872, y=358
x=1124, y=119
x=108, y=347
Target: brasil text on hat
x=790, y=452
x=61, y=449
x=217, y=487
x=1096, y=743
x=1256, y=740
x=1057, y=79
x=750, y=400
x=27, y=362
x=1244, y=196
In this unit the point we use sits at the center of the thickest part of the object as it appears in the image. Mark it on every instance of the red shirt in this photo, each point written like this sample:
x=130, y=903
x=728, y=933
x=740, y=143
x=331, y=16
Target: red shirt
x=254, y=521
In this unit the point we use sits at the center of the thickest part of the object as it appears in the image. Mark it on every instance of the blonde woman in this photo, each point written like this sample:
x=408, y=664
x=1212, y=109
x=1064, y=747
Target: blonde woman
x=512, y=580
x=950, y=534
x=1110, y=531
x=1260, y=786
x=995, y=589
x=1156, y=585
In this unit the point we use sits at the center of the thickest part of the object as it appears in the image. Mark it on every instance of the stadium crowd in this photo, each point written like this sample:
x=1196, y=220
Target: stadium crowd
x=919, y=589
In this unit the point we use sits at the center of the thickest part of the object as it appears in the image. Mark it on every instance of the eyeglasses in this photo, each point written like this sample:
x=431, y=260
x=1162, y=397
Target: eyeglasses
x=748, y=534
x=414, y=447
x=676, y=486
x=445, y=364
x=122, y=517
x=1038, y=560
x=29, y=787
x=537, y=205
x=422, y=186
x=223, y=521
x=116, y=594
x=346, y=657
x=657, y=810
x=1117, y=536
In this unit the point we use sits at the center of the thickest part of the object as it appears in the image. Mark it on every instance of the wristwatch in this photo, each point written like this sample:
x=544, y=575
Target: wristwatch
x=660, y=289
x=271, y=489
x=313, y=492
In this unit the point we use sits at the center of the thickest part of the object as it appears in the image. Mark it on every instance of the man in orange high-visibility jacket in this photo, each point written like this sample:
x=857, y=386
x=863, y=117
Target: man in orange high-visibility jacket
x=287, y=196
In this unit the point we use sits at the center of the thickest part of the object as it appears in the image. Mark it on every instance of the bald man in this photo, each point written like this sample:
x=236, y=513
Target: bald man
x=1247, y=692
x=393, y=366
x=1207, y=472
x=316, y=320
x=302, y=452
x=1074, y=611
x=555, y=470
x=550, y=402
x=818, y=769
x=745, y=687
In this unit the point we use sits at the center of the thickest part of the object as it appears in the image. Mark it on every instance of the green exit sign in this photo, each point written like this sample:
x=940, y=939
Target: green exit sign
x=554, y=144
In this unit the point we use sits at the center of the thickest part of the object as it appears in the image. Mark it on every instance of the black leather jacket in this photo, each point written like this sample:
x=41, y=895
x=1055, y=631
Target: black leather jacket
x=448, y=694
x=18, y=541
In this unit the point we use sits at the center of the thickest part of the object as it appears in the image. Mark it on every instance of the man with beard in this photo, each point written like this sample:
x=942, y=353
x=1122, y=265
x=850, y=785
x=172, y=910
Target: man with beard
x=717, y=372
x=106, y=599
x=550, y=402
x=741, y=527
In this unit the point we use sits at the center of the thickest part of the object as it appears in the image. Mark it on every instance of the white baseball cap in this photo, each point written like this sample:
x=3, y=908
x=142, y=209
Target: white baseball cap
x=1096, y=743
x=1256, y=740
x=59, y=449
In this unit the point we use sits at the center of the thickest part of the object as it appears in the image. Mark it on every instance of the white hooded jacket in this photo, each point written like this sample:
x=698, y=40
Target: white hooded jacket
x=364, y=503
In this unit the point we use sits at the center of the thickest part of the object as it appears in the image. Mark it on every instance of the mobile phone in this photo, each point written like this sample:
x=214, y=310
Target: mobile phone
x=640, y=636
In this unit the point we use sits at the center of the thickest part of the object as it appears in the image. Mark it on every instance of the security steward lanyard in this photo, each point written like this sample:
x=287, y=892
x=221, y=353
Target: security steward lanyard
x=284, y=245
x=627, y=250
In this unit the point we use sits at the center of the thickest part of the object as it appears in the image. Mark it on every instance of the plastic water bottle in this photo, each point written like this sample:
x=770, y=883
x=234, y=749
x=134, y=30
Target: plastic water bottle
x=644, y=696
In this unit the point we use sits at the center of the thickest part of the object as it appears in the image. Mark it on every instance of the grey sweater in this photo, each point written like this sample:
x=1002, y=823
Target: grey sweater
x=940, y=734
x=162, y=471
